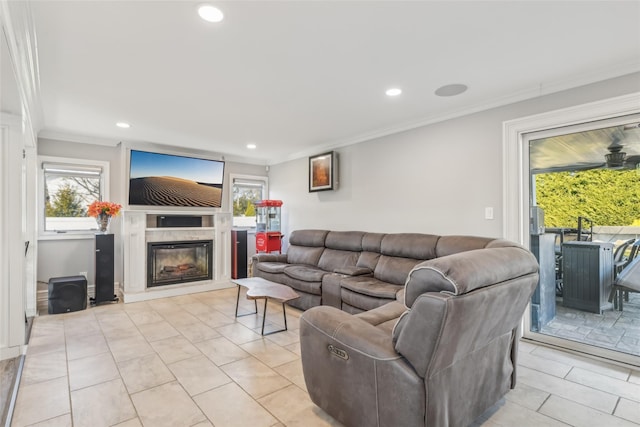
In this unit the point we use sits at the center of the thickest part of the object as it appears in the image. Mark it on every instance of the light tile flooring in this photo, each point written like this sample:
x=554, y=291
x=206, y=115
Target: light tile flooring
x=613, y=329
x=186, y=361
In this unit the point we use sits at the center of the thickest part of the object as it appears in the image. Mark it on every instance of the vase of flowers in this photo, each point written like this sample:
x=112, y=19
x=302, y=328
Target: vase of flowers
x=103, y=212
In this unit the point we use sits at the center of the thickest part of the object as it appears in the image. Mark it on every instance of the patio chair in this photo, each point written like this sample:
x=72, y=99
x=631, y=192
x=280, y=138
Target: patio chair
x=627, y=281
x=635, y=248
x=620, y=261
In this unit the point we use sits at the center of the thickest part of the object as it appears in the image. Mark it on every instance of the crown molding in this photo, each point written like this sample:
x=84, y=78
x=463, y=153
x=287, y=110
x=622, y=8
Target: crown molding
x=72, y=137
x=108, y=142
x=618, y=70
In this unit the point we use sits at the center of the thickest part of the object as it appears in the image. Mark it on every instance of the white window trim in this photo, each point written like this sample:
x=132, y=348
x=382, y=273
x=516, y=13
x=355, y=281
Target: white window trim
x=75, y=234
x=233, y=177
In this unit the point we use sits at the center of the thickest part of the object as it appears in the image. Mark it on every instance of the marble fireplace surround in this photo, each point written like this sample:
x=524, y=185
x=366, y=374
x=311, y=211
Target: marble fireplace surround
x=139, y=228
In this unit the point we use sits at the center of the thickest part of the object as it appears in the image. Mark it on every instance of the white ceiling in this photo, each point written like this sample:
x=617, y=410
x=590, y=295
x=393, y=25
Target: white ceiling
x=300, y=77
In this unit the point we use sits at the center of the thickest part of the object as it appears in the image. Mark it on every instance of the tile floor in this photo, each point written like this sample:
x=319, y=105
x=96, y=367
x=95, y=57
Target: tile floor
x=186, y=361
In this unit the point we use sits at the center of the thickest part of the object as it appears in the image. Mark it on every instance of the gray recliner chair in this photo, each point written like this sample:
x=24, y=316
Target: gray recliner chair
x=441, y=357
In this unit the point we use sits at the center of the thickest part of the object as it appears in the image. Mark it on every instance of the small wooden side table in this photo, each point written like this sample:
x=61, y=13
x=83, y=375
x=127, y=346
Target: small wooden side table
x=259, y=288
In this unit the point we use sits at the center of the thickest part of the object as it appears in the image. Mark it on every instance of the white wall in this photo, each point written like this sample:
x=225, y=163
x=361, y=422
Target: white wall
x=68, y=257
x=434, y=179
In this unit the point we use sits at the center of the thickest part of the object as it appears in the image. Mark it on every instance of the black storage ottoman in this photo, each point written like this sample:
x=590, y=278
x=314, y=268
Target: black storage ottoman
x=67, y=294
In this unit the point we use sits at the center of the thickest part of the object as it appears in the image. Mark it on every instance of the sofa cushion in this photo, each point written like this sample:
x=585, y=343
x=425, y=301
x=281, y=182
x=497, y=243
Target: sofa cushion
x=304, y=273
x=361, y=301
x=314, y=288
x=306, y=246
x=308, y=237
x=304, y=254
x=371, y=286
x=368, y=260
x=394, y=269
x=332, y=259
x=345, y=240
x=384, y=317
x=271, y=267
x=371, y=242
x=409, y=245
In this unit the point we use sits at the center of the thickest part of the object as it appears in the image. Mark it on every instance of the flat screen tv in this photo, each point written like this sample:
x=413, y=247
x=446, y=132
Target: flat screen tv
x=157, y=179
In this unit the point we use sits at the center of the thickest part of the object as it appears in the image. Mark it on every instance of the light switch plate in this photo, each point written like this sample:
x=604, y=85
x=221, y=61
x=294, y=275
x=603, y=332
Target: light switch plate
x=488, y=213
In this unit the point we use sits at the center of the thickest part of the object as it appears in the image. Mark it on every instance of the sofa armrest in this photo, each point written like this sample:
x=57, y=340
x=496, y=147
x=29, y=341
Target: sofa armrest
x=350, y=333
x=269, y=258
x=353, y=271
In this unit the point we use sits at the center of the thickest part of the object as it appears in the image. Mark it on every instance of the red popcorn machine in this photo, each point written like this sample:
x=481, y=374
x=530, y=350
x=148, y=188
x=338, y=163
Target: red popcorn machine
x=268, y=237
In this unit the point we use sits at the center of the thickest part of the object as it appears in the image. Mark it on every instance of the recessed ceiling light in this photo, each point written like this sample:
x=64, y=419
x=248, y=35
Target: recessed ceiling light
x=451, y=90
x=210, y=13
x=123, y=125
x=394, y=91
x=252, y=146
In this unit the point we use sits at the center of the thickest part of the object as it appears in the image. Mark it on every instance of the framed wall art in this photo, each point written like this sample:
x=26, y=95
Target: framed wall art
x=322, y=172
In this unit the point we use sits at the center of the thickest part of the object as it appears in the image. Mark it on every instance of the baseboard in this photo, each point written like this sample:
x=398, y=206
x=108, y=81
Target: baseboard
x=10, y=352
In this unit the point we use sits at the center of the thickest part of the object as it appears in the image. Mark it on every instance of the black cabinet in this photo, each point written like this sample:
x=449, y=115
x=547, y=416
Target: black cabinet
x=239, y=255
x=588, y=275
x=104, y=291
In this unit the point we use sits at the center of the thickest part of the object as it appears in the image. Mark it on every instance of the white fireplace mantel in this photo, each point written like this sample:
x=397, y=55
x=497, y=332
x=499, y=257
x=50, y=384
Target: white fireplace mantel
x=139, y=229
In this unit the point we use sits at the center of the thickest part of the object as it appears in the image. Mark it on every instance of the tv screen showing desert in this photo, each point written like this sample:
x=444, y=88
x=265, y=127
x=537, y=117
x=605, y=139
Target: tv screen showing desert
x=167, y=180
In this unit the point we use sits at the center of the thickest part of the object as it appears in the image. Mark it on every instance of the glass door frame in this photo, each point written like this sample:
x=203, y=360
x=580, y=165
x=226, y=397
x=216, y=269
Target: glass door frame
x=516, y=190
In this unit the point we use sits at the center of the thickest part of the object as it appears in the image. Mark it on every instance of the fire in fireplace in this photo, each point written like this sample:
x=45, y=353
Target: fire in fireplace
x=169, y=263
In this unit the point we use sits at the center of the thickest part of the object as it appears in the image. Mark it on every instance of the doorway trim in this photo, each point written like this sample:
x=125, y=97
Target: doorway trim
x=515, y=163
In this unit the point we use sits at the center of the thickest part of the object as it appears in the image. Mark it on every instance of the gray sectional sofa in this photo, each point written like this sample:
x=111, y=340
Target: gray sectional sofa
x=406, y=329
x=356, y=271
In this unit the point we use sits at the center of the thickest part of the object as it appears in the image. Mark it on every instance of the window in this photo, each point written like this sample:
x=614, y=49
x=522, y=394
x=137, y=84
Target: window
x=68, y=187
x=246, y=191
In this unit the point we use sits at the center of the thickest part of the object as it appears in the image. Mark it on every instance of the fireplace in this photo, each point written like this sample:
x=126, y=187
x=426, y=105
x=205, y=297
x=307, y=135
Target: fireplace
x=169, y=263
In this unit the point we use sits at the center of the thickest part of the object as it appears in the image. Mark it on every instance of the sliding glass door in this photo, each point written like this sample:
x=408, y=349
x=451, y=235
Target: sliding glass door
x=584, y=222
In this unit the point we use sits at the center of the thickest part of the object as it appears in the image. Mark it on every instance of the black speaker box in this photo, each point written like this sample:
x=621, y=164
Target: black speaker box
x=179, y=221
x=104, y=269
x=67, y=294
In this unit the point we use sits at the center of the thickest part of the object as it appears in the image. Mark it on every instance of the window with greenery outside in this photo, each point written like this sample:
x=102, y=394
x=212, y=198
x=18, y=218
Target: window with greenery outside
x=245, y=194
x=607, y=197
x=68, y=191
